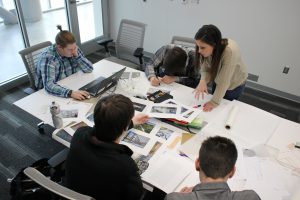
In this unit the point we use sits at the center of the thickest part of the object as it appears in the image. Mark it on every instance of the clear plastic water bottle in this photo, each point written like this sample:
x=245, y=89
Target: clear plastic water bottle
x=56, y=118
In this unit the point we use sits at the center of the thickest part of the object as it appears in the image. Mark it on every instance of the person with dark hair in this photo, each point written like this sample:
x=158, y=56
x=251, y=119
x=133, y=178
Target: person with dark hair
x=61, y=60
x=97, y=165
x=220, y=64
x=216, y=164
x=173, y=63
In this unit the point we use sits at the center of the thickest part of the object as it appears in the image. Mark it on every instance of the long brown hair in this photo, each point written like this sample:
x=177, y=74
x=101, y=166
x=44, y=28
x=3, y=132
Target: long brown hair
x=211, y=35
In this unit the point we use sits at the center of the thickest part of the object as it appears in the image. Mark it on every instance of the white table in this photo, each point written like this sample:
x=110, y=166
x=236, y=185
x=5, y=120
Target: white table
x=38, y=103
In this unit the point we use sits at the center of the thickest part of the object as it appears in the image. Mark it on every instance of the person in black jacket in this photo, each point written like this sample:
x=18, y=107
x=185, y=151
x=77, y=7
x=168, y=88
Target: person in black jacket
x=97, y=165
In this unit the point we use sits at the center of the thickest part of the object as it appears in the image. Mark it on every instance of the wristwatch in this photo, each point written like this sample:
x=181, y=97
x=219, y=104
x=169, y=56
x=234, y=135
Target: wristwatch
x=69, y=93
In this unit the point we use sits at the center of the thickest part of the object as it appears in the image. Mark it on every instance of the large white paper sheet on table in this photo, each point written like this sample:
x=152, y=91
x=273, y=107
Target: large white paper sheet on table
x=284, y=139
x=287, y=133
x=270, y=180
x=252, y=126
x=192, y=146
x=191, y=180
x=236, y=183
x=168, y=172
x=191, y=149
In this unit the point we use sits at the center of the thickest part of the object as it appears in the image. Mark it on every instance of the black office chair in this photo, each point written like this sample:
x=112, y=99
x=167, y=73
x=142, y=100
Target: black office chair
x=30, y=57
x=52, y=186
x=129, y=43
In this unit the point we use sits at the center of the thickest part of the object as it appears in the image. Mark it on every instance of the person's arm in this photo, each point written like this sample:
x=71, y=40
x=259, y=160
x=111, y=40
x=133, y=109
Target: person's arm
x=139, y=118
x=224, y=76
x=49, y=72
x=82, y=62
x=155, y=62
x=201, y=89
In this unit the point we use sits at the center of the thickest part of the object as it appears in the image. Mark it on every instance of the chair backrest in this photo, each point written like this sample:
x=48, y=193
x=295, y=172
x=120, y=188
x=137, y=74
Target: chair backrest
x=130, y=37
x=185, y=41
x=50, y=185
x=30, y=57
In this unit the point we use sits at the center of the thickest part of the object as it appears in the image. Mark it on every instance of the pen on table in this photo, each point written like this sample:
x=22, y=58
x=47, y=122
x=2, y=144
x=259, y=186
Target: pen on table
x=197, y=106
x=182, y=154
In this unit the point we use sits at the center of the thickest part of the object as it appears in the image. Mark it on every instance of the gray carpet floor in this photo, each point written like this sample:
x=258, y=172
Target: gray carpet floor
x=21, y=144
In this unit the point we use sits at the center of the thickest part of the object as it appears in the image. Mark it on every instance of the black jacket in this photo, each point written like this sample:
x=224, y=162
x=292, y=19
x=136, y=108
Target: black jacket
x=101, y=170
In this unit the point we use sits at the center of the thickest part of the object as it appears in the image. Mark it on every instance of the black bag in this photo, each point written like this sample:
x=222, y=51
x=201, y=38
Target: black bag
x=23, y=188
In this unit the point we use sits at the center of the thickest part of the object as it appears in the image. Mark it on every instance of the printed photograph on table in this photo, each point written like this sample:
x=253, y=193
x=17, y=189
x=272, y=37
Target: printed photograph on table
x=136, y=139
x=142, y=161
x=73, y=113
x=153, y=90
x=90, y=117
x=138, y=106
x=171, y=101
x=62, y=136
x=61, y=133
x=187, y=113
x=164, y=109
x=164, y=133
x=146, y=127
x=78, y=125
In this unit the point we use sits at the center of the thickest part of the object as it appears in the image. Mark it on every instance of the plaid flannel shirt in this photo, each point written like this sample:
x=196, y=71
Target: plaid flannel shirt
x=53, y=67
x=192, y=73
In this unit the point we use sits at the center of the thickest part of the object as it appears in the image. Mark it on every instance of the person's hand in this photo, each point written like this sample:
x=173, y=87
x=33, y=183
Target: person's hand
x=201, y=89
x=186, y=189
x=209, y=106
x=140, y=118
x=75, y=52
x=168, y=79
x=154, y=81
x=80, y=95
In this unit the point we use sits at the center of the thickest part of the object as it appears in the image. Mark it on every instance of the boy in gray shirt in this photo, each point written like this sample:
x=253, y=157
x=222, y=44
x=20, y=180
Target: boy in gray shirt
x=216, y=164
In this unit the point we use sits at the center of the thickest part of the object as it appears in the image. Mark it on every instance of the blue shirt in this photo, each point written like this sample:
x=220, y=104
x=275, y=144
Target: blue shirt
x=53, y=67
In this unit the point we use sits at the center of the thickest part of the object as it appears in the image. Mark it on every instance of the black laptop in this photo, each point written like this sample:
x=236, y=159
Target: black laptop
x=102, y=84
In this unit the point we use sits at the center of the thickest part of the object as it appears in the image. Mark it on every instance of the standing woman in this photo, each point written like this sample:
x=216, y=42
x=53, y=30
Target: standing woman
x=220, y=64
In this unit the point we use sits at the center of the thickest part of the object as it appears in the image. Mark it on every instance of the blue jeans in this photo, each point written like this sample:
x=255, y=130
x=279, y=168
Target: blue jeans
x=232, y=94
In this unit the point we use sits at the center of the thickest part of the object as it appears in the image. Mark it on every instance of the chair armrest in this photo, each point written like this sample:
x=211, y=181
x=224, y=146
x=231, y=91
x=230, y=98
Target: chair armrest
x=138, y=52
x=104, y=42
x=52, y=186
x=58, y=158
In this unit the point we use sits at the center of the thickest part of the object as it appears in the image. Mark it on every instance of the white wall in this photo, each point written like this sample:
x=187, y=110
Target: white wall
x=267, y=31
